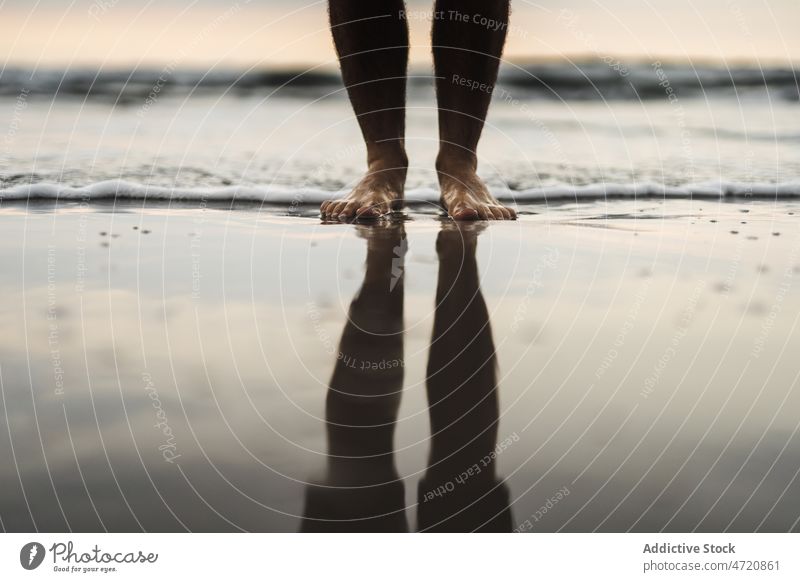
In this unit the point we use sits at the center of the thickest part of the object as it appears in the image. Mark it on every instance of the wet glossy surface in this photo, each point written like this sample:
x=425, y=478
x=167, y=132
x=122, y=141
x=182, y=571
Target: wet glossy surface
x=609, y=366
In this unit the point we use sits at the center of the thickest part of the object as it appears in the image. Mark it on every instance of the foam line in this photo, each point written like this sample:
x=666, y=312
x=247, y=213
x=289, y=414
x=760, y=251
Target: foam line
x=123, y=190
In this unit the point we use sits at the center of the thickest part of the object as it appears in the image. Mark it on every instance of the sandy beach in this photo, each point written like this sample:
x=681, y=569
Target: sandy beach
x=170, y=366
x=400, y=267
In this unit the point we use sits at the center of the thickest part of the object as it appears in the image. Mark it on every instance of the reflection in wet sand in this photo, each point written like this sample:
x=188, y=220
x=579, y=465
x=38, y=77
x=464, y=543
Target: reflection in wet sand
x=462, y=399
x=361, y=489
x=581, y=319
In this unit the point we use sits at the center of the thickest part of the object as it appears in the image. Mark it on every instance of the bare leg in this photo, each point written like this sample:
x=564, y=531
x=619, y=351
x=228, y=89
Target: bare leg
x=466, y=56
x=371, y=38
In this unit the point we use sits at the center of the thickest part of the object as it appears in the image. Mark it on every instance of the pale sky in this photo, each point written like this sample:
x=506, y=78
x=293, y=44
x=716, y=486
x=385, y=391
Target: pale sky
x=290, y=32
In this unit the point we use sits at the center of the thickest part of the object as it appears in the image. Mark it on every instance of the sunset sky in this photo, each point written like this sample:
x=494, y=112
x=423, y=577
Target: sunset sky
x=290, y=32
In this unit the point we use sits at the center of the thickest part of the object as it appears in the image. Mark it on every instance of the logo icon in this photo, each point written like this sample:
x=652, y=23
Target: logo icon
x=400, y=252
x=31, y=555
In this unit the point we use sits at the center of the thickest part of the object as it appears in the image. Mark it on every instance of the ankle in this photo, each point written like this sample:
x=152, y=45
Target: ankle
x=451, y=160
x=386, y=157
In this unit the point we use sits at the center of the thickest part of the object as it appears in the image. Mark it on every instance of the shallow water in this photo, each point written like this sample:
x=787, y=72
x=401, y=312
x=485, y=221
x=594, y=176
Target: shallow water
x=286, y=146
x=613, y=366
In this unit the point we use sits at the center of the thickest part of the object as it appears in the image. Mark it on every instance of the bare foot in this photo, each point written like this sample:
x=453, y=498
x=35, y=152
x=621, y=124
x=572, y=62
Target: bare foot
x=465, y=196
x=379, y=192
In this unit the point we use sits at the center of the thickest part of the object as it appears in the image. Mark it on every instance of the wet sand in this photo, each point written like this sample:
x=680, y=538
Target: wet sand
x=611, y=366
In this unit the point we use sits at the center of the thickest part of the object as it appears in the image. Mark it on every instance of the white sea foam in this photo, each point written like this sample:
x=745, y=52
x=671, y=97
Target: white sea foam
x=273, y=194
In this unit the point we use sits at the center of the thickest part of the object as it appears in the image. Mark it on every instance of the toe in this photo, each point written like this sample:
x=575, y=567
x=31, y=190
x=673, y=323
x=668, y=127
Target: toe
x=371, y=211
x=497, y=212
x=335, y=208
x=484, y=213
x=349, y=210
x=464, y=213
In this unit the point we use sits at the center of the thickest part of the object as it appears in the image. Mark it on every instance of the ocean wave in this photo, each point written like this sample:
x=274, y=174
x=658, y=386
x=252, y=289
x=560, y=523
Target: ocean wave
x=113, y=190
x=616, y=80
x=561, y=80
x=124, y=86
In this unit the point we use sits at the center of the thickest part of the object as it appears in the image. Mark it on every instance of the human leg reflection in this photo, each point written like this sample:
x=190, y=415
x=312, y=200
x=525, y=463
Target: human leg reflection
x=460, y=490
x=361, y=490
